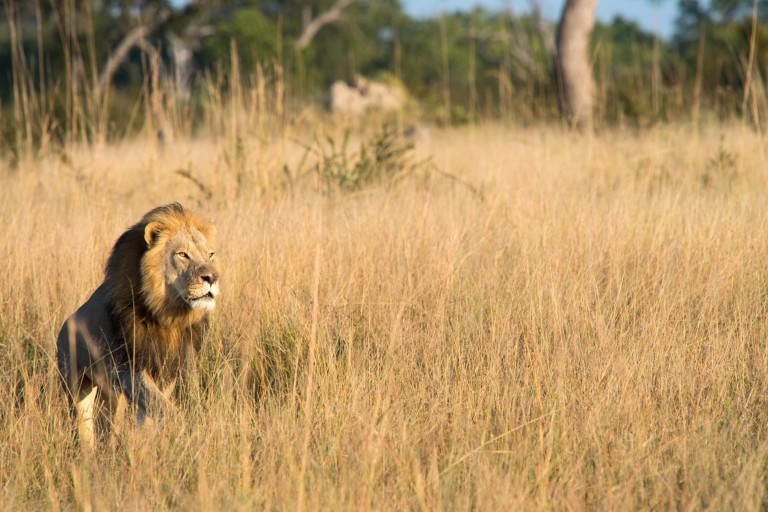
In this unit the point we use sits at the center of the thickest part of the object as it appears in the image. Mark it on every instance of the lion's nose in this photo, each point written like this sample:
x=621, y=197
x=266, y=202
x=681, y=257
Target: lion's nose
x=210, y=277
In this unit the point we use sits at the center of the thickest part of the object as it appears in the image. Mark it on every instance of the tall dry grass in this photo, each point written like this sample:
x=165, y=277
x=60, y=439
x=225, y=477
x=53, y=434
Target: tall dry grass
x=585, y=329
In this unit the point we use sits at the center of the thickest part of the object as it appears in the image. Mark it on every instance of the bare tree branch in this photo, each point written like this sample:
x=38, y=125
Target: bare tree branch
x=313, y=26
x=116, y=58
x=138, y=36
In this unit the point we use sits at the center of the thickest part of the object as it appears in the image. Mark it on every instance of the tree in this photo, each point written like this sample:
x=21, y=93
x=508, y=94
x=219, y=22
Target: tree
x=312, y=25
x=574, y=72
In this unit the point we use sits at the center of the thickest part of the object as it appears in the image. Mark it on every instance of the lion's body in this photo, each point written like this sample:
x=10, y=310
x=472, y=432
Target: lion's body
x=134, y=334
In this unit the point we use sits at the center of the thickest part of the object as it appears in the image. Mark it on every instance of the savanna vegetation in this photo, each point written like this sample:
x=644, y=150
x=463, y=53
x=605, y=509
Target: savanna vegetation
x=82, y=70
x=491, y=311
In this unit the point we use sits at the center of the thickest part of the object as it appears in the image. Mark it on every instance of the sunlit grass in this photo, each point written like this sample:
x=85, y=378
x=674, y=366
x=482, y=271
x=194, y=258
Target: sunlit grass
x=542, y=320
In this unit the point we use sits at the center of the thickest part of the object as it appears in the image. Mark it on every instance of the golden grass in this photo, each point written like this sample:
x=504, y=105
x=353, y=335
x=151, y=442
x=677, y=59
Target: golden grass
x=589, y=331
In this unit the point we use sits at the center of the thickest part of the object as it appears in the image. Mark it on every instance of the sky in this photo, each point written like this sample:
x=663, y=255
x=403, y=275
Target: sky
x=653, y=16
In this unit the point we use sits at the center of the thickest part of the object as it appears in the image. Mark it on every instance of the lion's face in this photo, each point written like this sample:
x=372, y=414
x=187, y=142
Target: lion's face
x=190, y=269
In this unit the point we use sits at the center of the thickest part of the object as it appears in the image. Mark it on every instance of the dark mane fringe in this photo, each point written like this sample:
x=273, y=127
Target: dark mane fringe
x=160, y=211
x=124, y=261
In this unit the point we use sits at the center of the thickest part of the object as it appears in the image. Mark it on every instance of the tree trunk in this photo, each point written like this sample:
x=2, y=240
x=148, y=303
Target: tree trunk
x=574, y=71
x=181, y=55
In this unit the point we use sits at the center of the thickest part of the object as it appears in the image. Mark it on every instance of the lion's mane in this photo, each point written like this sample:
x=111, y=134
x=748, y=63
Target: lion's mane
x=157, y=329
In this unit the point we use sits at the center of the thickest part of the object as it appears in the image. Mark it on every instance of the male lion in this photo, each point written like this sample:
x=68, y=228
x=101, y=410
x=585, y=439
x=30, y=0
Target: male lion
x=134, y=334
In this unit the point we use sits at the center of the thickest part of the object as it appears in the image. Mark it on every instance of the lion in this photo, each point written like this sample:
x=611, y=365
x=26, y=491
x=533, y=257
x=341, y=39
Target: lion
x=146, y=321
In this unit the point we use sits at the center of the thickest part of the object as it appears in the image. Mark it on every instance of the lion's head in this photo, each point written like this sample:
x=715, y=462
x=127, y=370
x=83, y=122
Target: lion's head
x=179, y=265
x=166, y=263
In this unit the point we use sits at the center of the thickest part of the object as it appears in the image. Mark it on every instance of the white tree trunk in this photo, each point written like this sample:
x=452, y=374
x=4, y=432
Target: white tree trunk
x=181, y=55
x=574, y=71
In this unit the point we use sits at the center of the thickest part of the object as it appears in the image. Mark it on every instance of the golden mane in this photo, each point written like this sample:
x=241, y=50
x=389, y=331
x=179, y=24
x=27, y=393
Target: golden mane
x=154, y=325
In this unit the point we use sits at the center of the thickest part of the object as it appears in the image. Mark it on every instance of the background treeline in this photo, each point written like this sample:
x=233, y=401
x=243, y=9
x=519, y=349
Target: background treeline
x=101, y=68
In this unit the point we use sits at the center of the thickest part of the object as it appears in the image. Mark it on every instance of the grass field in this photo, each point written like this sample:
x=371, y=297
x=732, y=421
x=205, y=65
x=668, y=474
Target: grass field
x=534, y=319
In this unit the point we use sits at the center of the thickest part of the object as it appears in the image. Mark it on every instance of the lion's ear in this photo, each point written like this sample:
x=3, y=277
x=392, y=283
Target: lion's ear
x=150, y=232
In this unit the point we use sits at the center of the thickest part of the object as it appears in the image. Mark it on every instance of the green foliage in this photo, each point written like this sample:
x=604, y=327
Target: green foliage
x=255, y=38
x=715, y=44
x=384, y=158
x=721, y=171
x=633, y=68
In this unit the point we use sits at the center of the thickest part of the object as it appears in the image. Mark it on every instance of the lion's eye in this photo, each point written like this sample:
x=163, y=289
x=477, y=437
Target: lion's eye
x=183, y=255
x=211, y=255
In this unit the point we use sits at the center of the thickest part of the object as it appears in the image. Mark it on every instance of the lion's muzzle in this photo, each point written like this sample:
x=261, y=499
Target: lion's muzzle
x=203, y=288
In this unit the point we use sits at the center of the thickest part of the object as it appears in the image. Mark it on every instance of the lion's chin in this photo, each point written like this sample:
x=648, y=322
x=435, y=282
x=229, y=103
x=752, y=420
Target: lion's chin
x=207, y=302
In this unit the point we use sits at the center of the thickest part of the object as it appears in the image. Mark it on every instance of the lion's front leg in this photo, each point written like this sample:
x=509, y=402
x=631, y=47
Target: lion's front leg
x=159, y=398
x=85, y=407
x=144, y=394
